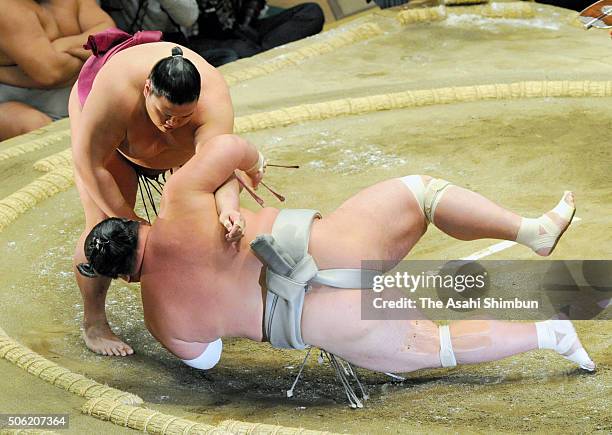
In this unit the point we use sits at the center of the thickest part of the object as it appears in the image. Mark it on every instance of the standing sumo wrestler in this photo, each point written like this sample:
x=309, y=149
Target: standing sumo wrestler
x=140, y=107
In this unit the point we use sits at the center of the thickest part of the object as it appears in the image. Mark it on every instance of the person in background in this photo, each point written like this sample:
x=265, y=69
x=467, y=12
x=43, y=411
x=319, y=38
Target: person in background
x=248, y=27
x=41, y=54
x=175, y=18
x=167, y=16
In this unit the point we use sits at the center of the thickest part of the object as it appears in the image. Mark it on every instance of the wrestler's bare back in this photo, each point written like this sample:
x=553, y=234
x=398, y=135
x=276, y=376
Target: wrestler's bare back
x=118, y=87
x=197, y=288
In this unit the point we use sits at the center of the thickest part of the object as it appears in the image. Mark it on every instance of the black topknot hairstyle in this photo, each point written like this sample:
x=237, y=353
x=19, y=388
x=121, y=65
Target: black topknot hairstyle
x=110, y=248
x=176, y=78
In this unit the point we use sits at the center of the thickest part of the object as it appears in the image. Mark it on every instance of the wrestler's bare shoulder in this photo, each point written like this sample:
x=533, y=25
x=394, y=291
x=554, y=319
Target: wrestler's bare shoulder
x=140, y=59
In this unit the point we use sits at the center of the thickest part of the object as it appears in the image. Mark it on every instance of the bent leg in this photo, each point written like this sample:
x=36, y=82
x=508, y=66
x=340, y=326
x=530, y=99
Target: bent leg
x=381, y=222
x=19, y=118
x=466, y=215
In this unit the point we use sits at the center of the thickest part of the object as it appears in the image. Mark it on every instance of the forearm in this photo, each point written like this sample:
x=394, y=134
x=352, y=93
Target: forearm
x=109, y=199
x=73, y=45
x=80, y=53
x=227, y=197
x=14, y=76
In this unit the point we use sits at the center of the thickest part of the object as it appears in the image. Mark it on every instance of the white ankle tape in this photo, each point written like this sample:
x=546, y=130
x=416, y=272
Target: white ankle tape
x=428, y=196
x=543, y=232
x=209, y=358
x=546, y=335
x=447, y=355
x=560, y=336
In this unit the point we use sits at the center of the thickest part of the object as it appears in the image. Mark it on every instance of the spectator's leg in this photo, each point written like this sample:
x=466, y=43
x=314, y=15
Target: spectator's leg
x=218, y=52
x=19, y=118
x=290, y=25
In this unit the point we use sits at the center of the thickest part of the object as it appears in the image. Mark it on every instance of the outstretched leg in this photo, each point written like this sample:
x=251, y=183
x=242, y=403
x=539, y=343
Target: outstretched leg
x=467, y=215
x=476, y=341
x=387, y=345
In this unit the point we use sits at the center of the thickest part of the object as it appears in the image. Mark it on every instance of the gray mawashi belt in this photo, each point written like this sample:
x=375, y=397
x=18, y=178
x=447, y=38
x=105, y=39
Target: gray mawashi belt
x=291, y=270
x=290, y=266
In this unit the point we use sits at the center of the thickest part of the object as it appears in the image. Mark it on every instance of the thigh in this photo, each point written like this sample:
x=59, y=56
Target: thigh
x=51, y=102
x=54, y=102
x=332, y=320
x=19, y=118
x=382, y=222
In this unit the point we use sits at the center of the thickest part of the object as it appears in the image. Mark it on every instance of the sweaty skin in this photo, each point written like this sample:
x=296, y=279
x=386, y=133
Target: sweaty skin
x=120, y=120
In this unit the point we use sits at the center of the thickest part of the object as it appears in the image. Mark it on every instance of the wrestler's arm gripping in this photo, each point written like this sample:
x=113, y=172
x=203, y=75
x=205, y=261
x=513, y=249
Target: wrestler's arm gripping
x=102, y=128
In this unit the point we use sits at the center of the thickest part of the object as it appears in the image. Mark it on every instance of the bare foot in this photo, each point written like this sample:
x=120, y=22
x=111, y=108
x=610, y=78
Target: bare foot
x=560, y=217
x=100, y=339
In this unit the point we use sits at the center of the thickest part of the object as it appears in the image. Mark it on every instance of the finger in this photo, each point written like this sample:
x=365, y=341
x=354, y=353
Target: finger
x=234, y=231
x=239, y=235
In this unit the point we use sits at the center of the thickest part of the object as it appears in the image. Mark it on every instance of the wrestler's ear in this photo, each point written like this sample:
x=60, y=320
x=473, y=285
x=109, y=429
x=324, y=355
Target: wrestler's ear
x=147, y=88
x=87, y=270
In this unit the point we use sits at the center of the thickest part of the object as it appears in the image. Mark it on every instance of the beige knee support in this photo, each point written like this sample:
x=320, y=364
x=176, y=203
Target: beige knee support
x=428, y=196
x=447, y=354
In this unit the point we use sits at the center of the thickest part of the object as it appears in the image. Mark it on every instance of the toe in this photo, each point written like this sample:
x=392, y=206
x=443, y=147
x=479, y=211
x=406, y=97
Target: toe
x=589, y=366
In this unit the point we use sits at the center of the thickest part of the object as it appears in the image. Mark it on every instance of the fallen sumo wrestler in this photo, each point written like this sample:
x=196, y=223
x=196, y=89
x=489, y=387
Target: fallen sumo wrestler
x=197, y=288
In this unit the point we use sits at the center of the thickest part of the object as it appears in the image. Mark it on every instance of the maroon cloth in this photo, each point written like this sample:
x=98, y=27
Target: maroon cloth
x=104, y=45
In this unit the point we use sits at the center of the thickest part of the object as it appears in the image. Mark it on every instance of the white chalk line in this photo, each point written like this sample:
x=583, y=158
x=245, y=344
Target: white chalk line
x=498, y=247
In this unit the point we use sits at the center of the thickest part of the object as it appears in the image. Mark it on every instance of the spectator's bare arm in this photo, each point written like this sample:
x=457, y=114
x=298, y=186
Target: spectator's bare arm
x=92, y=19
x=15, y=76
x=23, y=40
